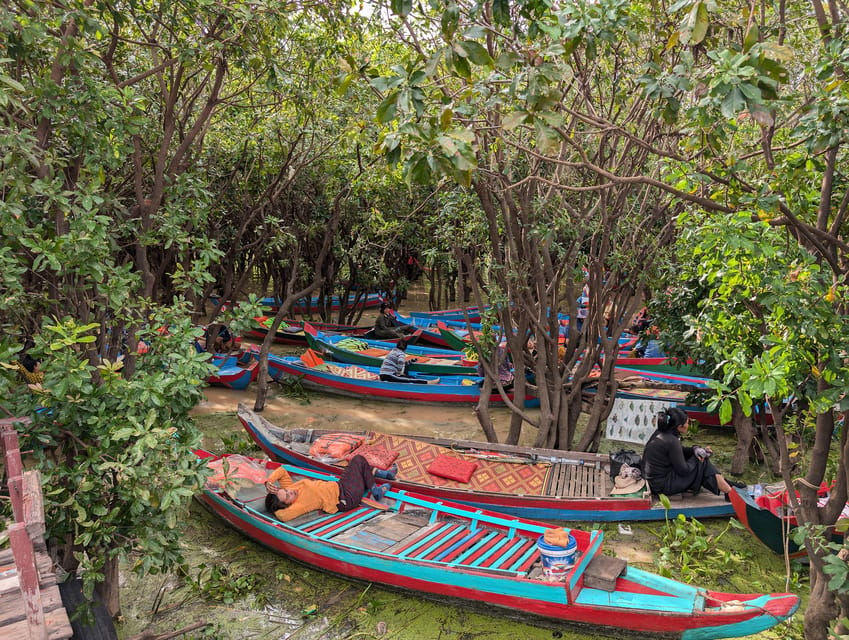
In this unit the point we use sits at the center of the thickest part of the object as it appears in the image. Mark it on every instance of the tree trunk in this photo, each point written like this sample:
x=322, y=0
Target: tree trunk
x=109, y=590
x=745, y=435
x=482, y=411
x=821, y=609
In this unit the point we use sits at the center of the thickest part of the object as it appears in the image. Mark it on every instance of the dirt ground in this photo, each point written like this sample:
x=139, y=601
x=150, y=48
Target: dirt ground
x=345, y=413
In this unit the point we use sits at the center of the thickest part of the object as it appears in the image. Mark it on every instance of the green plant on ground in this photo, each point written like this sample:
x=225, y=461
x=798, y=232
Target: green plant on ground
x=220, y=584
x=239, y=443
x=292, y=388
x=689, y=552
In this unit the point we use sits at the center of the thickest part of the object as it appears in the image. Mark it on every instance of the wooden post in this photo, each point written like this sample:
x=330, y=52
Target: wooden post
x=28, y=577
x=14, y=469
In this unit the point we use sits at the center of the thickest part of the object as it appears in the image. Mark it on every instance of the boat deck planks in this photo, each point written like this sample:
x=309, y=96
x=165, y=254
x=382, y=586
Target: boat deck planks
x=577, y=481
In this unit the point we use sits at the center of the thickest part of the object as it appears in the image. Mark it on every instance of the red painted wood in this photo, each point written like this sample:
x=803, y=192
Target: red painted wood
x=28, y=579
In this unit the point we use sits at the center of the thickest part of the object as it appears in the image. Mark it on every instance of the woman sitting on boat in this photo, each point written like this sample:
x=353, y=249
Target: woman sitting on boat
x=671, y=468
x=290, y=500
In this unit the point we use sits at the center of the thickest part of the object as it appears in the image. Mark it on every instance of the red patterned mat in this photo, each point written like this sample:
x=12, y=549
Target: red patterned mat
x=501, y=477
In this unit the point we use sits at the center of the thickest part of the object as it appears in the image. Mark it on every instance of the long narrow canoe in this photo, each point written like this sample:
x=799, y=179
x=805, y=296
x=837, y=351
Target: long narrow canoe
x=472, y=314
x=770, y=519
x=293, y=332
x=545, y=484
x=448, y=550
x=358, y=382
x=370, y=353
x=367, y=301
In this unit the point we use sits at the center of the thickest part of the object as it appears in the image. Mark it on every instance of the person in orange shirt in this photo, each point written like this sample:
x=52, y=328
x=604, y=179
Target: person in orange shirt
x=293, y=499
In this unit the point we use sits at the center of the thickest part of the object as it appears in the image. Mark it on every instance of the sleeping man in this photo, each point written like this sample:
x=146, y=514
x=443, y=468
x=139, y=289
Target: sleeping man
x=293, y=499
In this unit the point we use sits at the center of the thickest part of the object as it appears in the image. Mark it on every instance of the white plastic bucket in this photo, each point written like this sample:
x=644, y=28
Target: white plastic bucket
x=556, y=561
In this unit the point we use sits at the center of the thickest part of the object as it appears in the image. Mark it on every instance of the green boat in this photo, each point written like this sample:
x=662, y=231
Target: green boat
x=370, y=353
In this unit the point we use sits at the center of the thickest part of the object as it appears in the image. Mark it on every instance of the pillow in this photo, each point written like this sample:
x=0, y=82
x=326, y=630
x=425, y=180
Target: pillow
x=452, y=468
x=335, y=445
x=377, y=456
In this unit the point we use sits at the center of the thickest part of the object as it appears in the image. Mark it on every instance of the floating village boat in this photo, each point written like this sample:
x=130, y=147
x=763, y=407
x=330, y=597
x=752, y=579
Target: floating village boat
x=472, y=314
x=370, y=353
x=304, y=305
x=769, y=517
x=358, y=382
x=445, y=549
x=545, y=484
x=234, y=371
x=292, y=331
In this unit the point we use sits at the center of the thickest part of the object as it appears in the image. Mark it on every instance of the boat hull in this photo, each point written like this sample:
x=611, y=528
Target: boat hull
x=447, y=390
x=639, y=602
x=771, y=528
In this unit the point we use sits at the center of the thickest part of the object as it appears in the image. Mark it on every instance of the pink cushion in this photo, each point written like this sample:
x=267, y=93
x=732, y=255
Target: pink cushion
x=452, y=468
x=377, y=456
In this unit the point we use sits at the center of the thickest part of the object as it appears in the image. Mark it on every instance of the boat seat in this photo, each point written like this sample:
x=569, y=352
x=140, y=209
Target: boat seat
x=603, y=571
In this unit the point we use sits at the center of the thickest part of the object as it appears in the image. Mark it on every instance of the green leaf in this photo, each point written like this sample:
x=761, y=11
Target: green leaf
x=501, y=12
x=462, y=67
x=387, y=108
x=700, y=23
x=401, y=7
x=450, y=19
x=476, y=53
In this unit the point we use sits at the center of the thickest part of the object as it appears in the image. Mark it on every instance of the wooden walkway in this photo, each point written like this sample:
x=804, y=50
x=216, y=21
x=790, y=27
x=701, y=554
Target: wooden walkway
x=30, y=604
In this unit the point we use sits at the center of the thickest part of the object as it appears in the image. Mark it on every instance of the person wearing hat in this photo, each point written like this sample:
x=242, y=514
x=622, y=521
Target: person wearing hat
x=670, y=468
x=386, y=326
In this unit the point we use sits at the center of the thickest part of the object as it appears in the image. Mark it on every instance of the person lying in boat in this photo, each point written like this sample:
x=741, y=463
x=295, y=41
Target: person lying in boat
x=292, y=499
x=394, y=367
x=386, y=326
x=672, y=468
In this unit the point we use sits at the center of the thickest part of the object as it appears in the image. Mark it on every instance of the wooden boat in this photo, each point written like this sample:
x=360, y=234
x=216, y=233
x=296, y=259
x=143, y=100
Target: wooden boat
x=459, y=338
x=292, y=331
x=234, y=371
x=354, y=300
x=448, y=550
x=370, y=353
x=357, y=381
x=770, y=519
x=545, y=484
x=472, y=314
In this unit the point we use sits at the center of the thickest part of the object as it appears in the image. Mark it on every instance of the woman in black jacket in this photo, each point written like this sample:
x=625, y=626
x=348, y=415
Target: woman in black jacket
x=671, y=468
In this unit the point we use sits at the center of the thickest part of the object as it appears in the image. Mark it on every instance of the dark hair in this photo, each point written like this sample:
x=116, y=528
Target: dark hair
x=273, y=503
x=669, y=419
x=384, y=307
x=402, y=344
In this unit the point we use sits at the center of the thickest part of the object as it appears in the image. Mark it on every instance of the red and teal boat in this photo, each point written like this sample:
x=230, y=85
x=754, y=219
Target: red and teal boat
x=770, y=518
x=545, y=484
x=445, y=549
x=292, y=331
x=359, y=381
